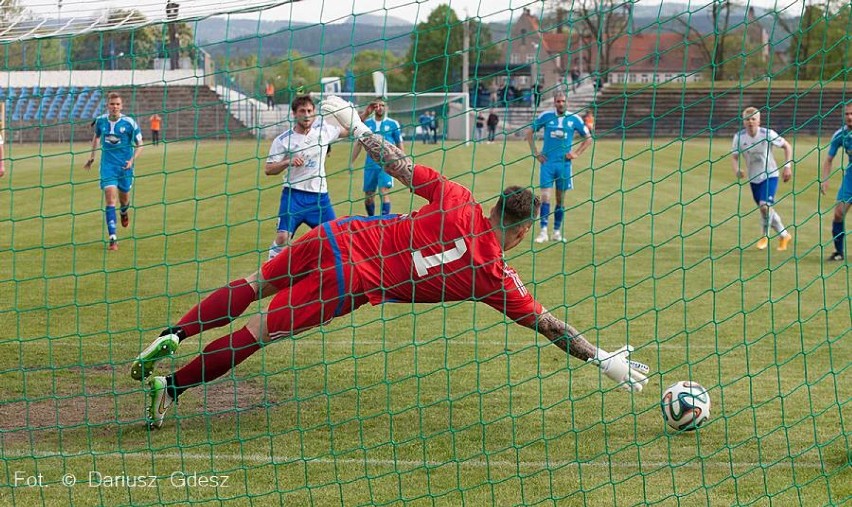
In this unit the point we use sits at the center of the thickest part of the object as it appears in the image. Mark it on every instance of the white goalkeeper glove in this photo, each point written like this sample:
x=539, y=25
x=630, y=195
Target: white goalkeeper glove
x=630, y=375
x=345, y=114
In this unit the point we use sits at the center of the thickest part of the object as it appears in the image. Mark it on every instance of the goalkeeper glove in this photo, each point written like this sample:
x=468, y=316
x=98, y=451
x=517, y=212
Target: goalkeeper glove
x=630, y=375
x=345, y=114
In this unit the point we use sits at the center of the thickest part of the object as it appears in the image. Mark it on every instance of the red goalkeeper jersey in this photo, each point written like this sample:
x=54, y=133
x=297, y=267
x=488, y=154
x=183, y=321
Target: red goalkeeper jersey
x=445, y=251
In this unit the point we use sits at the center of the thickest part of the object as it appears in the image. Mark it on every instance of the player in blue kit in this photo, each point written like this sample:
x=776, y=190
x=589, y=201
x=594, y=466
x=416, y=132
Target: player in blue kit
x=374, y=176
x=841, y=139
x=121, y=144
x=555, y=157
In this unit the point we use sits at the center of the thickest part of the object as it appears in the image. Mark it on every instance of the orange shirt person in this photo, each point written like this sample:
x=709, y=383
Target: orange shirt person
x=156, y=124
x=270, y=95
x=589, y=120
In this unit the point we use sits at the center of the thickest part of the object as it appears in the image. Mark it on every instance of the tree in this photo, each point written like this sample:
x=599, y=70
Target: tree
x=714, y=45
x=291, y=76
x=42, y=54
x=820, y=47
x=482, y=45
x=605, y=21
x=435, y=52
x=366, y=62
x=10, y=10
x=116, y=48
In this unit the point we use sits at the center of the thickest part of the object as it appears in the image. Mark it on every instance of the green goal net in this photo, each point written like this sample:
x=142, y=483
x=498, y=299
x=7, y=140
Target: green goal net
x=662, y=247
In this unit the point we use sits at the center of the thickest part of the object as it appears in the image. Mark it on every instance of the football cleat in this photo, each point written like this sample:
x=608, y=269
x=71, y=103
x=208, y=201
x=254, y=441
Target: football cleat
x=125, y=219
x=557, y=236
x=158, y=402
x=113, y=243
x=762, y=243
x=836, y=256
x=542, y=236
x=784, y=242
x=164, y=346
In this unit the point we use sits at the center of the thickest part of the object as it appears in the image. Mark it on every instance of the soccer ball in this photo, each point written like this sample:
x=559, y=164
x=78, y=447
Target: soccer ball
x=686, y=406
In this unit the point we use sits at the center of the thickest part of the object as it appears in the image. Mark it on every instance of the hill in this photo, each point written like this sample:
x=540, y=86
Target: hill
x=334, y=44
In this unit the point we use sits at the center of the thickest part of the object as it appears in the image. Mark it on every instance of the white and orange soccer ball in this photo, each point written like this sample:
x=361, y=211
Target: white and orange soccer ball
x=686, y=405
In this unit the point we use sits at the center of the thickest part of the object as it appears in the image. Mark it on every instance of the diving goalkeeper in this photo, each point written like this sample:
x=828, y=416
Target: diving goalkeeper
x=448, y=250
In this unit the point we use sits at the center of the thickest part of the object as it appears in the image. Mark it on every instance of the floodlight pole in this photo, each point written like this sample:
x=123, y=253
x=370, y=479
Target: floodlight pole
x=172, y=13
x=465, y=78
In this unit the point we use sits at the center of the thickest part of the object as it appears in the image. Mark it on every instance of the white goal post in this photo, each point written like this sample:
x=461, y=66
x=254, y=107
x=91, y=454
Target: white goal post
x=453, y=110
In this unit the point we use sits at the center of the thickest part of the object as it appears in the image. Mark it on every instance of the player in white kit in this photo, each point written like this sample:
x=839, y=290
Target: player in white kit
x=755, y=144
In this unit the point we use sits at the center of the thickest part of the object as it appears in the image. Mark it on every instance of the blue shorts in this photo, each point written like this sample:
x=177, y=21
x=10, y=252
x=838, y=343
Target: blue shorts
x=558, y=173
x=120, y=177
x=844, y=194
x=299, y=207
x=764, y=191
x=375, y=177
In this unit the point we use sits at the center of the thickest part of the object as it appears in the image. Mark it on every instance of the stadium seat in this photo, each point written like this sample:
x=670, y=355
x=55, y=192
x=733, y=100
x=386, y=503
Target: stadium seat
x=90, y=109
x=79, y=104
x=43, y=103
x=20, y=105
x=55, y=105
x=65, y=108
x=31, y=108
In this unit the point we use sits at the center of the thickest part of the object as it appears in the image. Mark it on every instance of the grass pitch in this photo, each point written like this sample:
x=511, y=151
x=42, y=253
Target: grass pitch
x=427, y=404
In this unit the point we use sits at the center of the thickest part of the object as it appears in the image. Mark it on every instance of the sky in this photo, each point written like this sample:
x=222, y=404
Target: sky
x=315, y=11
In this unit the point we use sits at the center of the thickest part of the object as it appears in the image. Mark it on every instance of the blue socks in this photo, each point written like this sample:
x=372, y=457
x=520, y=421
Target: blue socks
x=371, y=208
x=837, y=233
x=110, y=220
x=545, y=212
x=558, y=215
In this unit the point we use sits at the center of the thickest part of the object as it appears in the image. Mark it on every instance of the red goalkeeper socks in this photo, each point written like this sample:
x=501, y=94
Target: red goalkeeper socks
x=218, y=357
x=219, y=308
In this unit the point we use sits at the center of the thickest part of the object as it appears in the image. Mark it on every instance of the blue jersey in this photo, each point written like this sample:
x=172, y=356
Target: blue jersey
x=842, y=139
x=559, y=134
x=388, y=129
x=118, y=139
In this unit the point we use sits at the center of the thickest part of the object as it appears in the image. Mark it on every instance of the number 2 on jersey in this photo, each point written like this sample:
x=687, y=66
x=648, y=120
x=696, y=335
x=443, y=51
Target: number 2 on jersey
x=422, y=264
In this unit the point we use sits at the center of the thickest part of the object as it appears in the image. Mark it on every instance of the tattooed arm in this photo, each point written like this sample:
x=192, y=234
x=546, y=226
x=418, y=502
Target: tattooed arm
x=617, y=366
x=392, y=159
x=564, y=336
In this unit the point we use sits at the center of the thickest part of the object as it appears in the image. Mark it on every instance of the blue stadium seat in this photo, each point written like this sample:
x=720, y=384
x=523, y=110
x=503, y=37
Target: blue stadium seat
x=91, y=108
x=79, y=104
x=46, y=100
x=55, y=105
x=31, y=108
x=65, y=108
x=20, y=106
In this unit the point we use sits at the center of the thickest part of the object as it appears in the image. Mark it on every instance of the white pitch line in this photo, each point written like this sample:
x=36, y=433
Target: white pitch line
x=477, y=463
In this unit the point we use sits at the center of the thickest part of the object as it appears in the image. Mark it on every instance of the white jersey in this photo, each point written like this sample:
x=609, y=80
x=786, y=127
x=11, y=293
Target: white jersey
x=312, y=148
x=757, y=152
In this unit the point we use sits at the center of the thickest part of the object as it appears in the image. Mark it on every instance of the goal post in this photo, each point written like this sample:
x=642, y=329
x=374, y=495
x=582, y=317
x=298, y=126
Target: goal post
x=452, y=110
